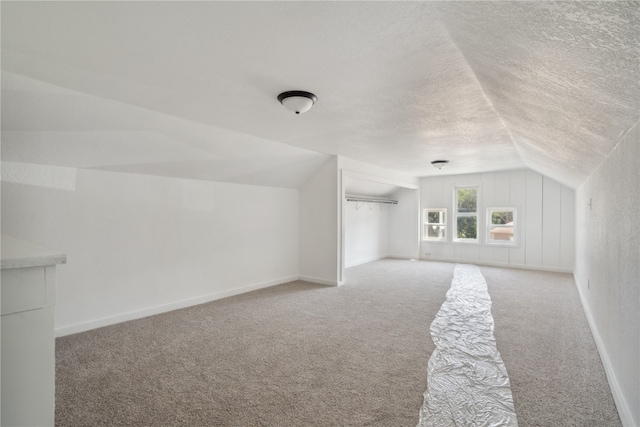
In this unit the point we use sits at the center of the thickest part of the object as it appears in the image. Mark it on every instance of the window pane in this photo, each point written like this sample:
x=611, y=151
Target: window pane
x=435, y=224
x=467, y=227
x=435, y=231
x=504, y=233
x=467, y=198
x=434, y=217
x=502, y=217
x=501, y=226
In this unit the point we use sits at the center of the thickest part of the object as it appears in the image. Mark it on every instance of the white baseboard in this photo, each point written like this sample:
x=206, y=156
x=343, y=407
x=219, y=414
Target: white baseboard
x=500, y=264
x=621, y=403
x=163, y=308
x=401, y=257
x=365, y=261
x=318, y=280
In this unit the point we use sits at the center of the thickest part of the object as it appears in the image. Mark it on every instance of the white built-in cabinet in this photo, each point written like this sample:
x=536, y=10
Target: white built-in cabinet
x=28, y=339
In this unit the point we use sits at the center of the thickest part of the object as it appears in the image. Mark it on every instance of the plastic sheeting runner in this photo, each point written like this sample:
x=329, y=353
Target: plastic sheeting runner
x=468, y=384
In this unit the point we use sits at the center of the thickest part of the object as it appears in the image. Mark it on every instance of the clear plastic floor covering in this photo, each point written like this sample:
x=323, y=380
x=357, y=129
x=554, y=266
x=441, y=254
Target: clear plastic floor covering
x=468, y=384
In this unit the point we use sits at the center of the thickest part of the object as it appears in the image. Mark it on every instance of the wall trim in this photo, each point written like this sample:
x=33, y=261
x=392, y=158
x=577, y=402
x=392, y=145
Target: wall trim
x=499, y=264
x=618, y=397
x=319, y=281
x=163, y=308
x=400, y=257
x=366, y=261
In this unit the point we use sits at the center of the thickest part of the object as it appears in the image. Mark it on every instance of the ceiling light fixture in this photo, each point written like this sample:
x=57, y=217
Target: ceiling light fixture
x=440, y=163
x=297, y=101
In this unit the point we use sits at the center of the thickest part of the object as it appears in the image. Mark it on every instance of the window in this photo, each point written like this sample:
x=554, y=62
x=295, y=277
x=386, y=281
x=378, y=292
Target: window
x=501, y=226
x=434, y=224
x=466, y=212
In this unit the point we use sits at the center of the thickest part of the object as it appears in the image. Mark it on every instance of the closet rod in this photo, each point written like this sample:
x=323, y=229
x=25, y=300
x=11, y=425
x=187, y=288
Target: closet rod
x=371, y=200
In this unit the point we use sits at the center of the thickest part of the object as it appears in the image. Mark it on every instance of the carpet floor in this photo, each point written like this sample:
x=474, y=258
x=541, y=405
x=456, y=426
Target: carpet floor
x=557, y=377
x=300, y=354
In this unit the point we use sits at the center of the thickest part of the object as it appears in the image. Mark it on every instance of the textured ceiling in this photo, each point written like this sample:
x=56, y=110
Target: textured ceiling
x=486, y=85
x=563, y=76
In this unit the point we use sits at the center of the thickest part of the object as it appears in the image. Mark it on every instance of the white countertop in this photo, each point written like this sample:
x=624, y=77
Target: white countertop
x=17, y=253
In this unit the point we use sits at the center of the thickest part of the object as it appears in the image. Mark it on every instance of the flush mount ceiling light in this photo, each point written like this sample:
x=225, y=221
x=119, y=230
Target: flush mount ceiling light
x=440, y=163
x=297, y=101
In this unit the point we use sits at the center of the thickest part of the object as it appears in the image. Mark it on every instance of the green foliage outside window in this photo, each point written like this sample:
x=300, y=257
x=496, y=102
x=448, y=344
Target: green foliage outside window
x=434, y=217
x=467, y=219
x=467, y=200
x=467, y=227
x=501, y=217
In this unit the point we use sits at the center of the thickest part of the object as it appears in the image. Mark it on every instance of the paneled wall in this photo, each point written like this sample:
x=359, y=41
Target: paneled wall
x=403, y=224
x=545, y=219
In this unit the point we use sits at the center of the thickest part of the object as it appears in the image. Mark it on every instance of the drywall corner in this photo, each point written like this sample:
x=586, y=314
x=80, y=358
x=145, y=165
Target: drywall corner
x=318, y=222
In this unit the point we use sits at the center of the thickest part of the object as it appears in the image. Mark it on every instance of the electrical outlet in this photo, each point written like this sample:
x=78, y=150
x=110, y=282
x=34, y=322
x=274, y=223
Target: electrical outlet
x=427, y=254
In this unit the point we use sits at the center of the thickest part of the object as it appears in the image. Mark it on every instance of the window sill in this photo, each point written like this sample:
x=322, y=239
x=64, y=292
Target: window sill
x=467, y=242
x=502, y=245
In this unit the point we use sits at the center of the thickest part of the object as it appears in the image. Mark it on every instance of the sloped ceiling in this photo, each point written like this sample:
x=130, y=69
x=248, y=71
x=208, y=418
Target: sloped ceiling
x=367, y=188
x=564, y=77
x=486, y=85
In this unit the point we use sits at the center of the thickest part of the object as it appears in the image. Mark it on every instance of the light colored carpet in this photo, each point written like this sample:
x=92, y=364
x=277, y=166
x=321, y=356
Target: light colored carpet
x=305, y=355
x=292, y=355
x=557, y=377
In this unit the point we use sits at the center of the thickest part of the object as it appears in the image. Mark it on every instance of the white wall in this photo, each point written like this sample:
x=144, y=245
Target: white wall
x=376, y=231
x=139, y=245
x=366, y=232
x=363, y=171
x=403, y=224
x=319, y=237
x=608, y=268
x=545, y=217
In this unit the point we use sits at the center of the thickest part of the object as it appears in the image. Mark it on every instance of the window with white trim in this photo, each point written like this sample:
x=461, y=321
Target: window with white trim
x=501, y=226
x=434, y=224
x=465, y=225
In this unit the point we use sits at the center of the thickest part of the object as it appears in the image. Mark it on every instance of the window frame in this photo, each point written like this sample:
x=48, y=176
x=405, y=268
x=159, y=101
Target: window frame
x=425, y=223
x=493, y=242
x=457, y=214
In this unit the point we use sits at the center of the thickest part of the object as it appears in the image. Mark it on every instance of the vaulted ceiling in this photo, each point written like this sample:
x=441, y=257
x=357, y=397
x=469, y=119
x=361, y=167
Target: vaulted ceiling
x=188, y=89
